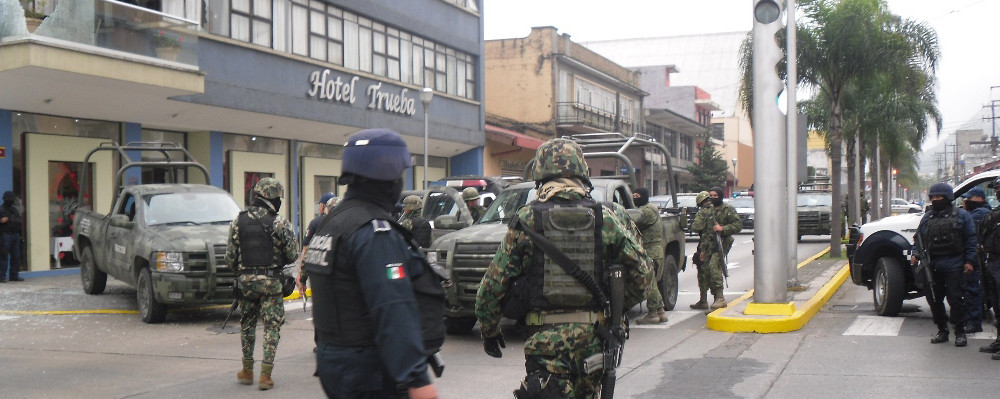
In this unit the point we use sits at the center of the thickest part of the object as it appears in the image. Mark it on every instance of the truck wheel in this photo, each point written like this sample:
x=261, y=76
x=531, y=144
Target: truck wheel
x=888, y=286
x=459, y=325
x=668, y=284
x=93, y=279
x=151, y=311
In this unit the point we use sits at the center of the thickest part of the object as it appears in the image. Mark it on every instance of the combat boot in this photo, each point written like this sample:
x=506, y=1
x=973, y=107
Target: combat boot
x=720, y=299
x=663, y=315
x=245, y=376
x=265, y=382
x=993, y=347
x=941, y=336
x=702, y=302
x=960, y=338
x=651, y=317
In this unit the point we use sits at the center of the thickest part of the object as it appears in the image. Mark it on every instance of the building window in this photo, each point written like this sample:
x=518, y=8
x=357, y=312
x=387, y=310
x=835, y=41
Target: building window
x=250, y=21
x=718, y=131
x=687, y=148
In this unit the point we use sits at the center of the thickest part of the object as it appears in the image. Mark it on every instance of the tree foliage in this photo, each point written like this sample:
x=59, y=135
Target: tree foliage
x=710, y=169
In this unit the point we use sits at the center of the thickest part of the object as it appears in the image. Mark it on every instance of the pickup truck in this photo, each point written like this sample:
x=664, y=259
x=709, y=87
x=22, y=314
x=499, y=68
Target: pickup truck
x=879, y=252
x=466, y=253
x=167, y=240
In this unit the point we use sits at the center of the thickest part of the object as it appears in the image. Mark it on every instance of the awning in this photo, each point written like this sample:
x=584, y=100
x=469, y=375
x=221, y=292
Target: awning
x=512, y=138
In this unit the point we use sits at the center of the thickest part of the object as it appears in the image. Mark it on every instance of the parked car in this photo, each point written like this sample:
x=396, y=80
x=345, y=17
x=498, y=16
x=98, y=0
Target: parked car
x=814, y=213
x=744, y=208
x=684, y=200
x=900, y=205
x=878, y=251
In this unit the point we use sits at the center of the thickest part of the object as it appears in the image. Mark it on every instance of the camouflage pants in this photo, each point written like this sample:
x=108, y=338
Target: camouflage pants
x=710, y=272
x=261, y=299
x=653, y=299
x=561, y=349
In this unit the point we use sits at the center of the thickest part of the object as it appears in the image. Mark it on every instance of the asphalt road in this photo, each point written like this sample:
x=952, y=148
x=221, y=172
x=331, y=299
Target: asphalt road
x=844, y=352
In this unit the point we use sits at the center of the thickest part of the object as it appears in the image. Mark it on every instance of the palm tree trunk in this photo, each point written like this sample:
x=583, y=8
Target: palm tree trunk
x=875, y=172
x=836, y=139
x=862, y=162
x=886, y=205
x=852, y=180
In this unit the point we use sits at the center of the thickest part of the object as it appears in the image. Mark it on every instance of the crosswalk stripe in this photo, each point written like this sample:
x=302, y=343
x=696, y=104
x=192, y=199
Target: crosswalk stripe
x=875, y=326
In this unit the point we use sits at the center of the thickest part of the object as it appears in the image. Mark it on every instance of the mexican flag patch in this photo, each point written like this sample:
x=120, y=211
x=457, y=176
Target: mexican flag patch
x=395, y=271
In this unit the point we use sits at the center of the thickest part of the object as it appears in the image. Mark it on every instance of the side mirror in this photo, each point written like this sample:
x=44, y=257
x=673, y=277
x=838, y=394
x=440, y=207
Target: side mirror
x=121, y=221
x=448, y=222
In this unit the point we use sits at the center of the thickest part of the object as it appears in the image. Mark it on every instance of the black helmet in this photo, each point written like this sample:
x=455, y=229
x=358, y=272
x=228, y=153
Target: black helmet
x=378, y=154
x=9, y=196
x=942, y=189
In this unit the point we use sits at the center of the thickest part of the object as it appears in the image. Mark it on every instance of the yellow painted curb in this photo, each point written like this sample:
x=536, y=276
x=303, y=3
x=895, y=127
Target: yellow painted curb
x=770, y=309
x=716, y=321
x=293, y=296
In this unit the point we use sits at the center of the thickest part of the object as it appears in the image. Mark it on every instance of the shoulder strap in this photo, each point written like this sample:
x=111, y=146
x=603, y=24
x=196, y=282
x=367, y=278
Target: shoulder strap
x=565, y=263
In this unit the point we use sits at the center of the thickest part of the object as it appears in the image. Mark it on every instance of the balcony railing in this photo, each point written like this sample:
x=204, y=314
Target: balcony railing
x=590, y=116
x=115, y=26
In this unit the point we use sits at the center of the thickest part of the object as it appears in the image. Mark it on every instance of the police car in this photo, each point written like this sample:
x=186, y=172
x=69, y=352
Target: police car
x=879, y=251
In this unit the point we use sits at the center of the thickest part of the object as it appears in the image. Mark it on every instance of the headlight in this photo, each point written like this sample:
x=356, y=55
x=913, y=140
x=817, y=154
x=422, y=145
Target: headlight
x=169, y=262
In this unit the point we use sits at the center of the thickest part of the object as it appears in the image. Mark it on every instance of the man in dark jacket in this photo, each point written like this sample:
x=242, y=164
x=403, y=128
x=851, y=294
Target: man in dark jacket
x=975, y=204
x=950, y=236
x=11, y=221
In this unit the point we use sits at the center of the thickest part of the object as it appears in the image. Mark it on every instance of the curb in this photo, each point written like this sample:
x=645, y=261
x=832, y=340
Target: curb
x=777, y=324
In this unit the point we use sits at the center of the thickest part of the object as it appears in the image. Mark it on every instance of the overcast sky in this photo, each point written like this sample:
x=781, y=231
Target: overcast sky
x=967, y=32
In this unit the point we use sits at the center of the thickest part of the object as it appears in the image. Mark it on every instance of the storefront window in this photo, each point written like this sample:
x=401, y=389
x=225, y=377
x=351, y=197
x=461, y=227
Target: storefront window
x=64, y=198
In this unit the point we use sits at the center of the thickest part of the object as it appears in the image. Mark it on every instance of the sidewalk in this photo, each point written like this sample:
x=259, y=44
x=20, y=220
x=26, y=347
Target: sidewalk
x=820, y=278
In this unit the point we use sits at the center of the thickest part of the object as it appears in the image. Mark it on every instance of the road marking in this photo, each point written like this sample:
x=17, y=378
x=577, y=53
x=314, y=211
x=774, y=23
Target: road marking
x=674, y=318
x=7, y=317
x=746, y=242
x=875, y=326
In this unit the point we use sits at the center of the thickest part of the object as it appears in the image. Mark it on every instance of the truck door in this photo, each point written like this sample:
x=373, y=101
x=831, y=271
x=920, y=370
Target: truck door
x=119, y=238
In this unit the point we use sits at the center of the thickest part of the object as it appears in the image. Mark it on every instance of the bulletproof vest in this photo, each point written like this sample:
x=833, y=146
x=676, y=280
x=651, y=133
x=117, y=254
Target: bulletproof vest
x=991, y=232
x=421, y=231
x=340, y=315
x=944, y=235
x=256, y=242
x=574, y=228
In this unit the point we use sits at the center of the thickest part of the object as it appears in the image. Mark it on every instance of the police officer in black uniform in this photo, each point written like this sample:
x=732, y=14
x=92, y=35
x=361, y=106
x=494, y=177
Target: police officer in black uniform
x=950, y=236
x=11, y=221
x=989, y=236
x=368, y=278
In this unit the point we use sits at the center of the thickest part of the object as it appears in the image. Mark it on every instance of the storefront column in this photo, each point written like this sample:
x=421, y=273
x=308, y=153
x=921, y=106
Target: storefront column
x=293, y=183
x=133, y=133
x=6, y=150
x=468, y=163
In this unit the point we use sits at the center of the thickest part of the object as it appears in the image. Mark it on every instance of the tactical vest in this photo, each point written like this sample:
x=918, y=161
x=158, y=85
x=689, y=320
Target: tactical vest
x=991, y=232
x=421, y=231
x=340, y=315
x=256, y=241
x=944, y=234
x=574, y=228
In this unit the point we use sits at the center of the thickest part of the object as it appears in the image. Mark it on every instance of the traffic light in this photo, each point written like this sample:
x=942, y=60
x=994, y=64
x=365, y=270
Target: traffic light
x=895, y=171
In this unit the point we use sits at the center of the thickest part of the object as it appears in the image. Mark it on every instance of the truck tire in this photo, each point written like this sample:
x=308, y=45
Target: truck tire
x=668, y=284
x=152, y=312
x=888, y=286
x=459, y=325
x=91, y=277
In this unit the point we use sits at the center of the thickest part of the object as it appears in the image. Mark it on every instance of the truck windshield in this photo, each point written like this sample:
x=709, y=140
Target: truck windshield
x=189, y=208
x=507, y=204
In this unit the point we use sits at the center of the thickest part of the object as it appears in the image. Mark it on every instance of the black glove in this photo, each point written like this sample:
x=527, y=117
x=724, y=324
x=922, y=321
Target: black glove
x=492, y=345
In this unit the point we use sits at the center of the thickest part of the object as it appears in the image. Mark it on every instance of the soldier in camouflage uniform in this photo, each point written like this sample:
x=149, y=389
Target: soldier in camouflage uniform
x=411, y=210
x=471, y=197
x=651, y=232
x=714, y=216
x=258, y=280
x=560, y=339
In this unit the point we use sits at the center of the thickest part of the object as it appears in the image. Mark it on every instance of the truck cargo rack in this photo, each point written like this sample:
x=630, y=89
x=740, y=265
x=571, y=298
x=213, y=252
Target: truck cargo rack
x=177, y=157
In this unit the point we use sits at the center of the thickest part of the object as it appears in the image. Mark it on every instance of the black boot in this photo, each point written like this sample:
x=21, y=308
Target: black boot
x=941, y=336
x=993, y=347
x=960, y=339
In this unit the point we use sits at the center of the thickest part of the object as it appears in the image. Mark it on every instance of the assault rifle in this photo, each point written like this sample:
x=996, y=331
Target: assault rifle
x=237, y=294
x=722, y=248
x=924, y=267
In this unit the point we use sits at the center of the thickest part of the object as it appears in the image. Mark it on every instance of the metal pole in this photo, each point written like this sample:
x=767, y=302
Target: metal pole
x=426, y=134
x=791, y=152
x=770, y=273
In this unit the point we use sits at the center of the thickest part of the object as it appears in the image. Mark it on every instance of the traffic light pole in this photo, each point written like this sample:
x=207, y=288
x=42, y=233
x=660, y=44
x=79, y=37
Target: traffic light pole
x=791, y=151
x=770, y=252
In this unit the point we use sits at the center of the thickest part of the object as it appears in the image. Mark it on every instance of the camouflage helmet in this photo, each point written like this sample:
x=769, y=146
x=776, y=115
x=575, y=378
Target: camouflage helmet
x=269, y=188
x=701, y=197
x=560, y=157
x=411, y=203
x=469, y=194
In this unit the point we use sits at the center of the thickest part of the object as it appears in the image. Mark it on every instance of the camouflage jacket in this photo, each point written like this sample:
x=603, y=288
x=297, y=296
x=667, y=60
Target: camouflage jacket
x=651, y=230
x=515, y=256
x=407, y=219
x=285, y=243
x=726, y=216
x=477, y=212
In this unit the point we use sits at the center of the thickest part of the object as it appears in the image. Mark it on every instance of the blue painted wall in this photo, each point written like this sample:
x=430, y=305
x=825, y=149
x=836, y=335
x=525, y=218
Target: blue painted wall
x=7, y=142
x=468, y=163
x=217, y=157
